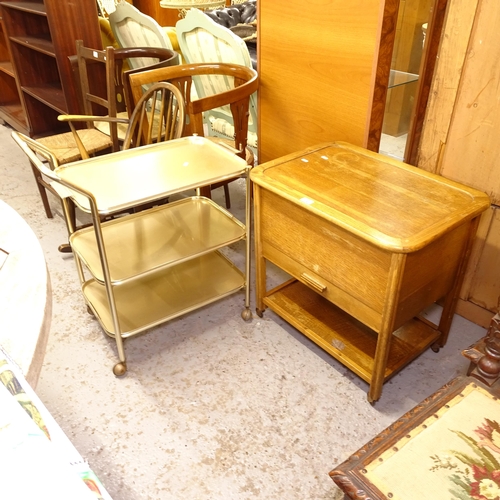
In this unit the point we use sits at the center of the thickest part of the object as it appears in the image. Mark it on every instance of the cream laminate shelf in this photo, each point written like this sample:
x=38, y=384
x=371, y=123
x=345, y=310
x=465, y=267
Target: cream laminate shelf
x=156, y=298
x=168, y=235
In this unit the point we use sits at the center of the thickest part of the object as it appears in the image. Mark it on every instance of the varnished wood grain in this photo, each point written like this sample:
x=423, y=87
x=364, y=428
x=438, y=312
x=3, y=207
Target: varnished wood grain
x=350, y=342
x=317, y=70
x=378, y=238
x=382, y=71
x=365, y=194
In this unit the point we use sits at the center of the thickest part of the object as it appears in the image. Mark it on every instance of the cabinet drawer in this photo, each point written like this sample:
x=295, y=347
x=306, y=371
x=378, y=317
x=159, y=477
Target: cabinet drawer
x=355, y=270
x=323, y=287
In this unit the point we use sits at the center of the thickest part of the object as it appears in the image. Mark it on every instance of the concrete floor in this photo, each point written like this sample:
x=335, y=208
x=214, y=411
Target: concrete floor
x=211, y=407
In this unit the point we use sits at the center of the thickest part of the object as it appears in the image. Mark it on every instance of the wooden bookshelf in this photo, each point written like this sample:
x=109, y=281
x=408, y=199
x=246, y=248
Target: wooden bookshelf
x=38, y=39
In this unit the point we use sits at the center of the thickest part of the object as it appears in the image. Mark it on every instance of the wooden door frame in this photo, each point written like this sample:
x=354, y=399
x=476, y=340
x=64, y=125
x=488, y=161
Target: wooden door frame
x=384, y=59
x=427, y=66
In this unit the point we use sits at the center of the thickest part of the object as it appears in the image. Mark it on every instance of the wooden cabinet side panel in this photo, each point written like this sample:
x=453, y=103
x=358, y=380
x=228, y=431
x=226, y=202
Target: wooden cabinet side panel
x=316, y=71
x=452, y=53
x=430, y=273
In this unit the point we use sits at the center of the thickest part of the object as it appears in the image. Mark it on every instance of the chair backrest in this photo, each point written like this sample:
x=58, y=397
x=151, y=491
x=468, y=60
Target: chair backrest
x=132, y=28
x=242, y=82
x=202, y=40
x=159, y=115
x=112, y=99
x=158, y=56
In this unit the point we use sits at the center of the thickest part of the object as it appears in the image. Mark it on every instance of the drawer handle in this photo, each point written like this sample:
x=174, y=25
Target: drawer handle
x=313, y=283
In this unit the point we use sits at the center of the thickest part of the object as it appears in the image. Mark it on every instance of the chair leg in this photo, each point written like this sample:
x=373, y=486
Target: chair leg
x=43, y=192
x=66, y=247
x=206, y=191
x=226, y=195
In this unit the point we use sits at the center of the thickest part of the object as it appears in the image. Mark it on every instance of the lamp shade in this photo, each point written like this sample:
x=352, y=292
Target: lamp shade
x=189, y=4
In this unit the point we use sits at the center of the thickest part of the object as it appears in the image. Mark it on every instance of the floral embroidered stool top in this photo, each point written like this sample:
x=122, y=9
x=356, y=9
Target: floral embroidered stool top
x=446, y=448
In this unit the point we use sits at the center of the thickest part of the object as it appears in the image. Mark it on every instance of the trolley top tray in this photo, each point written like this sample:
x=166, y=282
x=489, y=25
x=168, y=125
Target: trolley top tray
x=141, y=175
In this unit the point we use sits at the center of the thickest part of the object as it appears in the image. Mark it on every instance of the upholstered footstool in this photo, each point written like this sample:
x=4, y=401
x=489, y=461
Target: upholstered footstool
x=446, y=448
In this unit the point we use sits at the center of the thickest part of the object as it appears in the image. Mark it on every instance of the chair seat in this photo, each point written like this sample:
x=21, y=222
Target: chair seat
x=64, y=147
x=223, y=127
x=249, y=156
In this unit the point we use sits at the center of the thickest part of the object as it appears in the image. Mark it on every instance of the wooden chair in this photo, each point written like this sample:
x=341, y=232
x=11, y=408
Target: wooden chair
x=202, y=40
x=99, y=76
x=243, y=82
x=132, y=28
x=159, y=116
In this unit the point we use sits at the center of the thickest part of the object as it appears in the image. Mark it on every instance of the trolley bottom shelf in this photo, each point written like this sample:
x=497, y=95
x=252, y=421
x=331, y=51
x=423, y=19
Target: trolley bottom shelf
x=155, y=298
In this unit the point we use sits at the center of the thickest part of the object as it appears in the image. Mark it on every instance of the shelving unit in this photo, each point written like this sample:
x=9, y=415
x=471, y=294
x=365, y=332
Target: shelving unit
x=39, y=37
x=142, y=269
x=11, y=109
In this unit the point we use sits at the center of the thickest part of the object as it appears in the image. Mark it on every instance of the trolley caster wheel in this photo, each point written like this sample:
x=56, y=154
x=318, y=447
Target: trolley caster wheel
x=260, y=313
x=246, y=314
x=435, y=347
x=119, y=369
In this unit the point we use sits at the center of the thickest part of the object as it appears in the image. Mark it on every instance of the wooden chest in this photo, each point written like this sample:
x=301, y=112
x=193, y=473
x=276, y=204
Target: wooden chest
x=369, y=242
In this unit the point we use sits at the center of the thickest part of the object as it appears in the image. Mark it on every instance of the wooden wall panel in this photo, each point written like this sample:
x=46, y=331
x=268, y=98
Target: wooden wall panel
x=317, y=66
x=460, y=137
x=480, y=294
x=485, y=286
x=471, y=154
x=443, y=94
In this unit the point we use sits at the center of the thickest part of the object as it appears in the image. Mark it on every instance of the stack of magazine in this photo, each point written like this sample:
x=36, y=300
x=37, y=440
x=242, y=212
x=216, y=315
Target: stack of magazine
x=37, y=460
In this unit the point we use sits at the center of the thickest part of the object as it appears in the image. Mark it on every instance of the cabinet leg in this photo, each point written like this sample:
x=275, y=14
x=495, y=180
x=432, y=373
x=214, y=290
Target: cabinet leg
x=451, y=298
x=386, y=329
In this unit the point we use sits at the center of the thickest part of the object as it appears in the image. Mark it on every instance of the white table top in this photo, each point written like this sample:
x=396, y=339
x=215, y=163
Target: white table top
x=25, y=294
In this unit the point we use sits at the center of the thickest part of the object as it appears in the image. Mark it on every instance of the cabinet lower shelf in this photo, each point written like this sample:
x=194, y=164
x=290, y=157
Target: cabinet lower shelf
x=153, y=299
x=344, y=338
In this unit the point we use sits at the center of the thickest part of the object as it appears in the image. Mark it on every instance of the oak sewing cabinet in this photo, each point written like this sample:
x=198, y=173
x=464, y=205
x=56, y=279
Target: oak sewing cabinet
x=369, y=243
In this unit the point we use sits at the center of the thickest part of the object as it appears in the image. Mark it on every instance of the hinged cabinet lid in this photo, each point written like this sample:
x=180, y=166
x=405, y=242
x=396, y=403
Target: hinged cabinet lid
x=385, y=201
